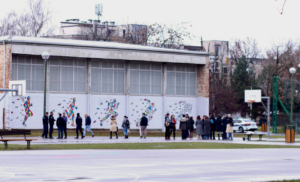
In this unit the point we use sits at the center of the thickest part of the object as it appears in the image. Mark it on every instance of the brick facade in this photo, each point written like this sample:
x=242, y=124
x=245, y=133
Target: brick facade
x=203, y=80
x=8, y=57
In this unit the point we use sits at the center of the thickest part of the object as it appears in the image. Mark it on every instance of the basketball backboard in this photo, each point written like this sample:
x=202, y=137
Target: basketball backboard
x=252, y=95
x=20, y=85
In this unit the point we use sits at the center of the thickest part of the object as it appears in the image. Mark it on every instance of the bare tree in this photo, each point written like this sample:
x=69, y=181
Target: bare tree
x=34, y=21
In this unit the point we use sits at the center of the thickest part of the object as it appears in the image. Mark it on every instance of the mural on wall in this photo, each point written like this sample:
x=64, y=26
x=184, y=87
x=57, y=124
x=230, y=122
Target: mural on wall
x=28, y=113
x=180, y=108
x=107, y=108
x=21, y=110
x=70, y=106
x=142, y=106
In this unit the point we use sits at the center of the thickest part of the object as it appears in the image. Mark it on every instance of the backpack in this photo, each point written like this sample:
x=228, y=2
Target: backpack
x=211, y=121
x=127, y=123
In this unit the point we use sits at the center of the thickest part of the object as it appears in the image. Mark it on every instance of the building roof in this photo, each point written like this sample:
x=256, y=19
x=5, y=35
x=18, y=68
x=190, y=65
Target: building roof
x=92, y=44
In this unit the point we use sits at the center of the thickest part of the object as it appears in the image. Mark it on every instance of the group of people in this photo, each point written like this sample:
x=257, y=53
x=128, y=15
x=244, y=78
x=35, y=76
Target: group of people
x=61, y=123
x=205, y=127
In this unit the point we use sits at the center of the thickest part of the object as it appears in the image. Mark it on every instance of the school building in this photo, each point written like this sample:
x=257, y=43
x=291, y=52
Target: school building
x=101, y=79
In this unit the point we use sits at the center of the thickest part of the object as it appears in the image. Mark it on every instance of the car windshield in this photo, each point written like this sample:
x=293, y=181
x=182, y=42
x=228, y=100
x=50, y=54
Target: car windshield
x=247, y=120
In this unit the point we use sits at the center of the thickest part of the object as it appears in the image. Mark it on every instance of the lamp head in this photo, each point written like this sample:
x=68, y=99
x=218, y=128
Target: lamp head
x=45, y=55
x=292, y=70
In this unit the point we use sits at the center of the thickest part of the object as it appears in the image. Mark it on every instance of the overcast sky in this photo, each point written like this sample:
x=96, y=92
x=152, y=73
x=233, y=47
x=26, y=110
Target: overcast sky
x=211, y=19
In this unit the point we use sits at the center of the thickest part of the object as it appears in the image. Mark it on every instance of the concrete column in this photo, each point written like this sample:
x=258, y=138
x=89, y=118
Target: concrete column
x=127, y=85
x=164, y=86
x=89, y=86
x=48, y=87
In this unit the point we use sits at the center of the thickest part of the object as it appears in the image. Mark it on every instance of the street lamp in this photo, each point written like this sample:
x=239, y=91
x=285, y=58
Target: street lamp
x=292, y=71
x=45, y=57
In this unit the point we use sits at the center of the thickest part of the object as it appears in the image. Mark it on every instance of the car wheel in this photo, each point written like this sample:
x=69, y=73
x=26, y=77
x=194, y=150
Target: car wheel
x=241, y=129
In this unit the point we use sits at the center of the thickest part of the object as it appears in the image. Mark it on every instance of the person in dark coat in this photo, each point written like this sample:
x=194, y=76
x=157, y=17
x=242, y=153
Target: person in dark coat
x=45, y=125
x=212, y=127
x=65, y=124
x=78, y=125
x=60, y=125
x=219, y=129
x=206, y=128
x=88, y=122
x=144, y=124
x=184, y=127
x=191, y=127
x=168, y=126
x=199, y=127
x=224, y=125
x=51, y=123
x=188, y=131
x=173, y=126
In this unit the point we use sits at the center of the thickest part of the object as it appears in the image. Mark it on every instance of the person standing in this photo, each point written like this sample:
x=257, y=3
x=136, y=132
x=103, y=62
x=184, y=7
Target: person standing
x=88, y=122
x=229, y=128
x=187, y=120
x=199, y=127
x=51, y=122
x=212, y=127
x=191, y=127
x=65, y=124
x=144, y=124
x=78, y=126
x=60, y=126
x=184, y=127
x=219, y=126
x=45, y=125
x=224, y=125
x=173, y=126
x=206, y=128
x=113, y=127
x=125, y=126
x=168, y=126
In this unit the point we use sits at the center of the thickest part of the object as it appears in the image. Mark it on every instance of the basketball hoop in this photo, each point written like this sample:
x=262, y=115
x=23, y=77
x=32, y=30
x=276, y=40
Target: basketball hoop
x=250, y=102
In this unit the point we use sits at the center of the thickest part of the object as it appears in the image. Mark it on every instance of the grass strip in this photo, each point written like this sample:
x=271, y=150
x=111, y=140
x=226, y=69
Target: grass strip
x=171, y=145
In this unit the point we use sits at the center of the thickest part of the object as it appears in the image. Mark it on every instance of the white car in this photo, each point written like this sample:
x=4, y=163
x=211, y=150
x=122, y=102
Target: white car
x=242, y=124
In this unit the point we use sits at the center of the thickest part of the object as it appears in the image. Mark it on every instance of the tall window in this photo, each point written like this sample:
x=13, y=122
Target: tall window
x=145, y=78
x=107, y=77
x=29, y=68
x=68, y=74
x=181, y=80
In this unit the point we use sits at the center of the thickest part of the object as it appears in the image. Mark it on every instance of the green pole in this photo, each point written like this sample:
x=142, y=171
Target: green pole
x=292, y=99
x=45, y=83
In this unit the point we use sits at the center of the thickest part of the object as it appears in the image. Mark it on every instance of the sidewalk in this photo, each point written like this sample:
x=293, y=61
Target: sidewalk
x=99, y=140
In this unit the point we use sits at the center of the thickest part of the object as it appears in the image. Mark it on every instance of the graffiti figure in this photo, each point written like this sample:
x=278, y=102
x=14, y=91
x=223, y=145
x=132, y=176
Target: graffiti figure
x=111, y=107
x=28, y=112
x=71, y=111
x=150, y=110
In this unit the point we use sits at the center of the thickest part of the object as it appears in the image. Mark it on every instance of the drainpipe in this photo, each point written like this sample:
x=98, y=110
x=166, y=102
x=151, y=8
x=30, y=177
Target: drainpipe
x=4, y=65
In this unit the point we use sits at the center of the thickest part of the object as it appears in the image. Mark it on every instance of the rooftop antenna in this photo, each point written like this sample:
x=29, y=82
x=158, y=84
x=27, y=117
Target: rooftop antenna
x=99, y=10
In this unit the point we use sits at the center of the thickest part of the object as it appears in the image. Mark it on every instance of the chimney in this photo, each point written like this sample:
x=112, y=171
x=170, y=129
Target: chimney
x=112, y=23
x=106, y=28
x=95, y=25
x=90, y=20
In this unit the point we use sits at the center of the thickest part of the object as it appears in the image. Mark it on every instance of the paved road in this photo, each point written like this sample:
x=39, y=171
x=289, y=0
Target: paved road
x=89, y=139
x=150, y=165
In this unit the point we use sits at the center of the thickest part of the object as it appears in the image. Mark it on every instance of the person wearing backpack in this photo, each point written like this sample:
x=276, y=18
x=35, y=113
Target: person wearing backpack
x=229, y=128
x=212, y=127
x=168, y=126
x=125, y=126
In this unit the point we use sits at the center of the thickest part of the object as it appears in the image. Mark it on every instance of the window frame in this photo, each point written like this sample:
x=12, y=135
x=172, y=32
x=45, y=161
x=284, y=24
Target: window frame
x=74, y=67
x=152, y=71
x=113, y=68
x=15, y=63
x=185, y=73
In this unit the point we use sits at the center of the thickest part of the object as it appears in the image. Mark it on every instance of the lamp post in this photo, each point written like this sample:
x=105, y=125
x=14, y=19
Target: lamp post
x=212, y=70
x=292, y=71
x=248, y=70
x=45, y=57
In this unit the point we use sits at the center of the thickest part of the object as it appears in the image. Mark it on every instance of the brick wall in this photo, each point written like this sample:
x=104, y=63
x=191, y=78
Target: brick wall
x=203, y=80
x=8, y=57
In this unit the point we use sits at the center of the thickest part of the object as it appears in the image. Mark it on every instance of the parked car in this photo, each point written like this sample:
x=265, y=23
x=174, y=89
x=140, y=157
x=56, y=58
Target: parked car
x=242, y=124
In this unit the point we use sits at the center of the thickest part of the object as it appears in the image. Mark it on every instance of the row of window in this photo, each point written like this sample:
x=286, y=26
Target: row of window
x=70, y=75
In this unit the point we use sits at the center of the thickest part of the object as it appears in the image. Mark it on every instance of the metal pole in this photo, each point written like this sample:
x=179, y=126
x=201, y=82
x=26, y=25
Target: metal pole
x=268, y=117
x=45, y=83
x=292, y=99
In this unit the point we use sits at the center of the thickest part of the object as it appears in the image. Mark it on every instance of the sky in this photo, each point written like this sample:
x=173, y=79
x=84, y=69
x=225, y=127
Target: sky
x=212, y=19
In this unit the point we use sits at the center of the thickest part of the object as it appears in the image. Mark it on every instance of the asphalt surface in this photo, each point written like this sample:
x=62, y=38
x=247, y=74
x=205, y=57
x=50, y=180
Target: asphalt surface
x=150, y=165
